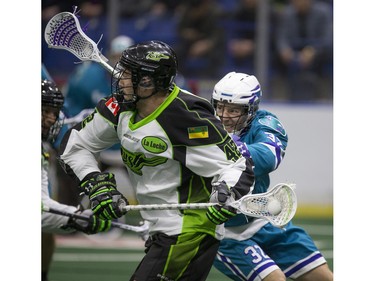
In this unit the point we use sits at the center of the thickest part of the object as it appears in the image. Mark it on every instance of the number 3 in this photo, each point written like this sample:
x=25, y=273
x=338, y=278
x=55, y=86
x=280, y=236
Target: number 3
x=257, y=253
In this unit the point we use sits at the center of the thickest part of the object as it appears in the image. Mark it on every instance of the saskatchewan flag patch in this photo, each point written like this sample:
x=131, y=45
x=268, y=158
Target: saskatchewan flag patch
x=198, y=132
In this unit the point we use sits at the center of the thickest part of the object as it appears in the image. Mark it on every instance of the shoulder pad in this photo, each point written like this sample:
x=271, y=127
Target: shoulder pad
x=273, y=123
x=110, y=109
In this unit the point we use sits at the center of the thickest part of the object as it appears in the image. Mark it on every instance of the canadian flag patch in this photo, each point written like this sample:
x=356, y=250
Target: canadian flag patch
x=113, y=105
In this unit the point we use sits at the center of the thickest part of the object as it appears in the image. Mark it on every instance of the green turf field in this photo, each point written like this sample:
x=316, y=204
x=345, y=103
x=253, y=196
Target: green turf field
x=99, y=261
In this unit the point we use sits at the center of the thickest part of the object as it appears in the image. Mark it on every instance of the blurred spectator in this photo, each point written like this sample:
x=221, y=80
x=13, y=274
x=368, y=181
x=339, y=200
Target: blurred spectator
x=241, y=29
x=200, y=39
x=241, y=41
x=134, y=8
x=92, y=8
x=164, y=8
x=53, y=7
x=304, y=42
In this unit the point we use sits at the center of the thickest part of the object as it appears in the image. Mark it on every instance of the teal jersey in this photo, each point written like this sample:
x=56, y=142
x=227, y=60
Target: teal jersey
x=86, y=86
x=252, y=248
x=266, y=140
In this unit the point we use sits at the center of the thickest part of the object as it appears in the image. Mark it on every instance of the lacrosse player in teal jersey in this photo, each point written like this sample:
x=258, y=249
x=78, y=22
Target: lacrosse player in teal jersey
x=52, y=103
x=254, y=249
x=175, y=151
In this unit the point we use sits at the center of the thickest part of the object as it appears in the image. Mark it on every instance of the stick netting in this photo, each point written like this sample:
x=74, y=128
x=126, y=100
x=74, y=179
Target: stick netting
x=63, y=31
x=257, y=207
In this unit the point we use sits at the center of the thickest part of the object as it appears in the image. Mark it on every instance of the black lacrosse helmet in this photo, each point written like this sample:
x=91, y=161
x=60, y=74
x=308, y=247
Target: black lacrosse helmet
x=154, y=59
x=52, y=97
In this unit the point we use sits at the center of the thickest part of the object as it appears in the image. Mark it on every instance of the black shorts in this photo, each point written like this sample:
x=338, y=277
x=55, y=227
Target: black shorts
x=184, y=257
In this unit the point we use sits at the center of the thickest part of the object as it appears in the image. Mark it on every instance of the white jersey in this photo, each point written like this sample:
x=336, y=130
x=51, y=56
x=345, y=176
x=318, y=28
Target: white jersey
x=51, y=222
x=172, y=156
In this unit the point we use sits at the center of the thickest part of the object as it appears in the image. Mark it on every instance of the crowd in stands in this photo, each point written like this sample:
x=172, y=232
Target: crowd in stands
x=212, y=37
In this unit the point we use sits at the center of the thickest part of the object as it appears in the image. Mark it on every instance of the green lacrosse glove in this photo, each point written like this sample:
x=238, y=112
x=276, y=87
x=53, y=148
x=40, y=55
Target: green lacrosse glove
x=221, y=212
x=89, y=223
x=104, y=197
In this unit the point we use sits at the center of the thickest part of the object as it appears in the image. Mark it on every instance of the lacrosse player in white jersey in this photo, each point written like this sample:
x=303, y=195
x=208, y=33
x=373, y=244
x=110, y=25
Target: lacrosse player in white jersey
x=175, y=151
x=52, y=103
x=254, y=249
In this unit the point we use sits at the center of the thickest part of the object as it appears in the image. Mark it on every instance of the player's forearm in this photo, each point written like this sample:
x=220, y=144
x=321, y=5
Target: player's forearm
x=79, y=152
x=52, y=222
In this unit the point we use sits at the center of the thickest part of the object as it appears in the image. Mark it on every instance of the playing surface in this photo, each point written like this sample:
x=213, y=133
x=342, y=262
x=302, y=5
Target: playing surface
x=114, y=258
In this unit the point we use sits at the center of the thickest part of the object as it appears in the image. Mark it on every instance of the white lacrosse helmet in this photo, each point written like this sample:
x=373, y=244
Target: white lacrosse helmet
x=238, y=88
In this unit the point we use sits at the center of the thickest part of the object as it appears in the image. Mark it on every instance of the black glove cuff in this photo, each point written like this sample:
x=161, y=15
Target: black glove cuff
x=89, y=176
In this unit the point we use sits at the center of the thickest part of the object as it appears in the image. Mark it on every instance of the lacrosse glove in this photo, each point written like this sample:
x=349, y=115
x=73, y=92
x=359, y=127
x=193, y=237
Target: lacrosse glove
x=104, y=197
x=242, y=147
x=89, y=223
x=221, y=212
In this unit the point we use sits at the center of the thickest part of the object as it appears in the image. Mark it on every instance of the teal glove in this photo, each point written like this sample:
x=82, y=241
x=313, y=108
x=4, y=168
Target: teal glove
x=221, y=212
x=89, y=223
x=104, y=197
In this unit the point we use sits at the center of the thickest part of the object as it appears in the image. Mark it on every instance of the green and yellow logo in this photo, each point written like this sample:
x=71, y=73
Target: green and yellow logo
x=198, y=132
x=136, y=160
x=156, y=56
x=154, y=145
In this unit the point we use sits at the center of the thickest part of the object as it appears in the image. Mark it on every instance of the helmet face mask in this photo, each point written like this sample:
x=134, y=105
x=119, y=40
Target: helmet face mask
x=152, y=65
x=234, y=117
x=243, y=93
x=52, y=116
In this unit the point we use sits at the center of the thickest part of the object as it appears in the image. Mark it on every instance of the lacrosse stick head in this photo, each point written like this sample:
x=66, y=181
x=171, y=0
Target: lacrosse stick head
x=258, y=206
x=63, y=31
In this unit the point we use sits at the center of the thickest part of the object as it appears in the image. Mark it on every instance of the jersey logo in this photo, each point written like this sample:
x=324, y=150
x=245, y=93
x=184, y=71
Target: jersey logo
x=273, y=123
x=198, y=132
x=113, y=106
x=154, y=145
x=87, y=119
x=231, y=150
x=156, y=56
x=129, y=137
x=136, y=161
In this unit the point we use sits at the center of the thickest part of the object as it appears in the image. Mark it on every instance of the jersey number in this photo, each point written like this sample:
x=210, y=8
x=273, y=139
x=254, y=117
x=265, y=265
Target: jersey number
x=274, y=139
x=257, y=253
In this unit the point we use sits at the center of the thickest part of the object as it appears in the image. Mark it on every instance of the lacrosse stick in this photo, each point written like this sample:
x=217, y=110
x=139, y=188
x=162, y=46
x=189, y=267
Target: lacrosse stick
x=142, y=230
x=278, y=205
x=64, y=31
